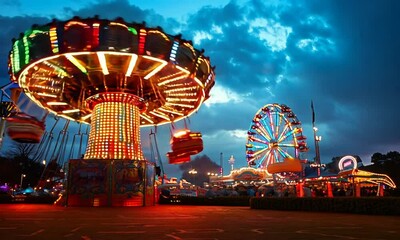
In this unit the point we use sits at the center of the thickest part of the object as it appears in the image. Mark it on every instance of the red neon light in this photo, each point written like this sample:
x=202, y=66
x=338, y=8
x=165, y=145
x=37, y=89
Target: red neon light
x=142, y=41
x=95, y=35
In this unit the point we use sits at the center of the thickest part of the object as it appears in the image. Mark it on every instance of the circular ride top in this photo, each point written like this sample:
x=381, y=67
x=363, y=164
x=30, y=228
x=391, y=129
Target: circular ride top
x=114, y=75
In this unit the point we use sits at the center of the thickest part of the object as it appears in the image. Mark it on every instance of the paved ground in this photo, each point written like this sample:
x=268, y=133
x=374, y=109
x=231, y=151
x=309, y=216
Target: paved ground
x=29, y=221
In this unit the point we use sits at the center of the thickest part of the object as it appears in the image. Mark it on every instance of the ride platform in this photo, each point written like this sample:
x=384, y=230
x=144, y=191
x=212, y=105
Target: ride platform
x=105, y=182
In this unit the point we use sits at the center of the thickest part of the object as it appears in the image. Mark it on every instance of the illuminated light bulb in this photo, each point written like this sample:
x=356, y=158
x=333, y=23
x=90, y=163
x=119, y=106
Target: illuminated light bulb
x=71, y=111
x=170, y=80
x=147, y=118
x=181, y=99
x=179, y=105
x=183, y=89
x=142, y=41
x=70, y=23
x=180, y=133
x=103, y=62
x=171, y=111
x=183, y=69
x=26, y=46
x=53, y=39
x=57, y=103
x=132, y=64
x=95, y=37
x=67, y=117
x=160, y=115
x=106, y=140
x=173, y=51
x=74, y=61
x=16, y=65
x=199, y=82
x=118, y=24
x=46, y=95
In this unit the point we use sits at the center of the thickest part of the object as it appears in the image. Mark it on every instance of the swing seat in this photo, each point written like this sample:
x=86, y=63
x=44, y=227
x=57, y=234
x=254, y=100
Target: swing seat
x=186, y=143
x=175, y=158
x=24, y=128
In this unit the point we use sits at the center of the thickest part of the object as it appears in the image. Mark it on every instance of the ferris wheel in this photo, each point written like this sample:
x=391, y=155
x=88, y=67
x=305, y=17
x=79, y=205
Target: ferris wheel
x=275, y=134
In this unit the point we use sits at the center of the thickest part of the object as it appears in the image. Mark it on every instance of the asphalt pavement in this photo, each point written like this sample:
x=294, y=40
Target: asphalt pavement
x=174, y=222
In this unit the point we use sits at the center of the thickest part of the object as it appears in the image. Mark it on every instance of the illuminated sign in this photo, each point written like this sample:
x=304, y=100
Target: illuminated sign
x=347, y=162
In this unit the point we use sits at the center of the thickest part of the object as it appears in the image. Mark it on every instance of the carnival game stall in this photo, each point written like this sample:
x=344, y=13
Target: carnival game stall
x=344, y=178
x=367, y=183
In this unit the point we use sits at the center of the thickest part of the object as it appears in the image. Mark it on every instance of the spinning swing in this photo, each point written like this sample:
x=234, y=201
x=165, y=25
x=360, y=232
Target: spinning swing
x=184, y=143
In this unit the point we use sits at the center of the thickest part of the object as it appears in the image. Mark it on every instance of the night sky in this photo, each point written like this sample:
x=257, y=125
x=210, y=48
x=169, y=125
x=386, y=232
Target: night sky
x=340, y=54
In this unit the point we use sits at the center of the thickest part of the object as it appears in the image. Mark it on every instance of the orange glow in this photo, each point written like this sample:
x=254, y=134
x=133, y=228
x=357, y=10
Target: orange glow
x=288, y=165
x=180, y=133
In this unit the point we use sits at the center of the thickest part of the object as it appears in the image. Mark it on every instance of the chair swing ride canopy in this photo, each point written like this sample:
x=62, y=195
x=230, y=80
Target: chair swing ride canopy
x=115, y=76
x=62, y=64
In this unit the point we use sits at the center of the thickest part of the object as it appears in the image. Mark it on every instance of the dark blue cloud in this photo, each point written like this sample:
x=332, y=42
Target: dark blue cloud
x=11, y=27
x=343, y=55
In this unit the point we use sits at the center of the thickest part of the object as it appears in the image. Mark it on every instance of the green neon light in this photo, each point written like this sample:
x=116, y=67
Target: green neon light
x=16, y=65
x=132, y=30
x=26, y=47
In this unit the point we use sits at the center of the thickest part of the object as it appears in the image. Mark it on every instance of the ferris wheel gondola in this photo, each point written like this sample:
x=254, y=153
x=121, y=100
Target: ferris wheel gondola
x=275, y=138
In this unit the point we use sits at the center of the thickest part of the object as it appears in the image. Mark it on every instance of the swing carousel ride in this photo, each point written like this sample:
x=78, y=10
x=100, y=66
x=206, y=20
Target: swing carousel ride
x=113, y=75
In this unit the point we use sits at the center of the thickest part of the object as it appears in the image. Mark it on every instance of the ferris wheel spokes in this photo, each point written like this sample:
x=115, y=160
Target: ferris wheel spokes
x=261, y=152
x=275, y=134
x=283, y=136
x=265, y=132
x=283, y=153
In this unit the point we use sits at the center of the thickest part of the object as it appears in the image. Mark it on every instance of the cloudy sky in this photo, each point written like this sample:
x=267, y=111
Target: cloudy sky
x=340, y=54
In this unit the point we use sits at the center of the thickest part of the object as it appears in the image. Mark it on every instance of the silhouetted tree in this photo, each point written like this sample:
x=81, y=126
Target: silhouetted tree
x=376, y=157
x=389, y=156
x=17, y=161
x=203, y=165
x=393, y=156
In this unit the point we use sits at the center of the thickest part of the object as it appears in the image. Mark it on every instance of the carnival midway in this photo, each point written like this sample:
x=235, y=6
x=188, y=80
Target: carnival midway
x=112, y=78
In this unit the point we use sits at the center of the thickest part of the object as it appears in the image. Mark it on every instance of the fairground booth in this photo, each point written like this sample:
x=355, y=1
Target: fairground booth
x=342, y=177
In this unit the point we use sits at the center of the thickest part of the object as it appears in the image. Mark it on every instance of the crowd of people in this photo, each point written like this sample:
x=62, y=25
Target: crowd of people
x=283, y=190
x=306, y=189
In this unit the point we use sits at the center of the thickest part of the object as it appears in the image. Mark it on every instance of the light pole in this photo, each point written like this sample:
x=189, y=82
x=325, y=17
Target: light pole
x=22, y=178
x=231, y=162
x=211, y=175
x=44, y=168
x=317, y=139
x=40, y=185
x=193, y=172
x=222, y=164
